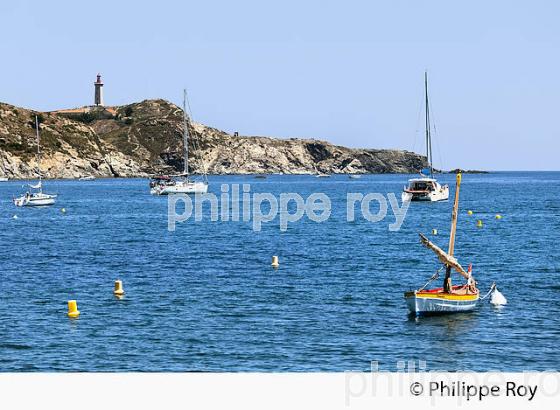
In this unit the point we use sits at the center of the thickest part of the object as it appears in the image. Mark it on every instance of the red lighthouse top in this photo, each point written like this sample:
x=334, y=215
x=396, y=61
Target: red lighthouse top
x=99, y=79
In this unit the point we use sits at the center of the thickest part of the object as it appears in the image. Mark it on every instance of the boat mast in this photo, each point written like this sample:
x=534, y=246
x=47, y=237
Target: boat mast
x=428, y=133
x=454, y=217
x=185, y=135
x=451, y=250
x=38, y=152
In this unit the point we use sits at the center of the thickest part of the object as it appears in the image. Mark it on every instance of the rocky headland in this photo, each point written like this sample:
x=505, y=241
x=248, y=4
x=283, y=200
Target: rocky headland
x=145, y=138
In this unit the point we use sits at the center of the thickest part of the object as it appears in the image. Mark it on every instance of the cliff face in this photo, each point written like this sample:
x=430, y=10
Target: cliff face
x=146, y=138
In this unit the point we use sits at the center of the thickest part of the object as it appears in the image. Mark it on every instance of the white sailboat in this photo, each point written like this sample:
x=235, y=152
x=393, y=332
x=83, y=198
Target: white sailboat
x=426, y=187
x=180, y=184
x=35, y=195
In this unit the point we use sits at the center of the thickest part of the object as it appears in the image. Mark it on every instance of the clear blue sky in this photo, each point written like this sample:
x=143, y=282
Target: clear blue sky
x=345, y=71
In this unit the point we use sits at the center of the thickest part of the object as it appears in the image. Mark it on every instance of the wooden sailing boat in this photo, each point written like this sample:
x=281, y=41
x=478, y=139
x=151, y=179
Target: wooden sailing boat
x=449, y=298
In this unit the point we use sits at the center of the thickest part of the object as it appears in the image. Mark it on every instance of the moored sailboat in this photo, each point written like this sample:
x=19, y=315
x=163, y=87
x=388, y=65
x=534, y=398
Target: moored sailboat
x=449, y=298
x=426, y=187
x=35, y=195
x=182, y=183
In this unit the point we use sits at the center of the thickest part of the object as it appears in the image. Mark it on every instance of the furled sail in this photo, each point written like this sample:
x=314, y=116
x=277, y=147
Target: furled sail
x=443, y=256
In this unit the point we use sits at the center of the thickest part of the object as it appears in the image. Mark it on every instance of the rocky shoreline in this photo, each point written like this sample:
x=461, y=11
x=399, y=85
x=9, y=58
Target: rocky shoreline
x=142, y=139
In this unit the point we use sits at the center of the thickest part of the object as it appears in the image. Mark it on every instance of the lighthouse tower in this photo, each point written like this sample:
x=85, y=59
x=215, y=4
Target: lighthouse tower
x=98, y=91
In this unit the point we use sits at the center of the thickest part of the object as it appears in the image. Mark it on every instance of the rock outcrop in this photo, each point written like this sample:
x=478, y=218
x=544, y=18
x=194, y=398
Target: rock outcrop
x=146, y=138
x=467, y=171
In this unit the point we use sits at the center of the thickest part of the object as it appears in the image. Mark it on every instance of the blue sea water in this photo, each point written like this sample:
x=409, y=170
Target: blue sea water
x=204, y=298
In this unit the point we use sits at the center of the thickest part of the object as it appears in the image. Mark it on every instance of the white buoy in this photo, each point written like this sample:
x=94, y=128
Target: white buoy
x=15, y=217
x=497, y=299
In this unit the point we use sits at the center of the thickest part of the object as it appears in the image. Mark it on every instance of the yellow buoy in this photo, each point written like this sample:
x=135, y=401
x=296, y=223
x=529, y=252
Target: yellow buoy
x=119, y=291
x=469, y=212
x=498, y=216
x=434, y=231
x=479, y=223
x=275, y=262
x=63, y=210
x=73, y=309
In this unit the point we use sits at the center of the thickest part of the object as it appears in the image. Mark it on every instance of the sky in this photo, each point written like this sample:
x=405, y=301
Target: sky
x=349, y=72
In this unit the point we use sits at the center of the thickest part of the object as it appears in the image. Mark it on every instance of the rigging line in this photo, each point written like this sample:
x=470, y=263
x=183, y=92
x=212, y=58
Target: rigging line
x=434, y=277
x=195, y=139
x=188, y=103
x=436, y=135
x=429, y=155
x=429, y=141
x=38, y=147
x=418, y=119
x=427, y=119
x=191, y=118
x=490, y=291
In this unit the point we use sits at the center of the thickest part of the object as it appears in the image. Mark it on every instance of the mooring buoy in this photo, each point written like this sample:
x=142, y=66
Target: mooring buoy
x=73, y=311
x=118, y=291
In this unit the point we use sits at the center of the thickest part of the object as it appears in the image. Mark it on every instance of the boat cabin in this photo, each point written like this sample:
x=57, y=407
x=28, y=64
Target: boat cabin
x=160, y=180
x=421, y=184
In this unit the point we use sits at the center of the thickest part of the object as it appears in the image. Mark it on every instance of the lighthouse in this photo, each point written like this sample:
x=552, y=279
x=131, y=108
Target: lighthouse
x=98, y=91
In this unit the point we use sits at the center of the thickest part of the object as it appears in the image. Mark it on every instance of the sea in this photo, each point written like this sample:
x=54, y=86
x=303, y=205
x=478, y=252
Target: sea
x=205, y=298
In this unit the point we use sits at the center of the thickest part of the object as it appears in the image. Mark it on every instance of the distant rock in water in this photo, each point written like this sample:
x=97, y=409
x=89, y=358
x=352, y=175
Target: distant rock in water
x=146, y=138
x=468, y=171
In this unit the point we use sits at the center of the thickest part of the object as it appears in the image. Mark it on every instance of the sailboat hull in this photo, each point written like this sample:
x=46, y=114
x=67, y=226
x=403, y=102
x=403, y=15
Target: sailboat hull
x=434, y=196
x=431, y=303
x=180, y=188
x=35, y=200
x=431, y=191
